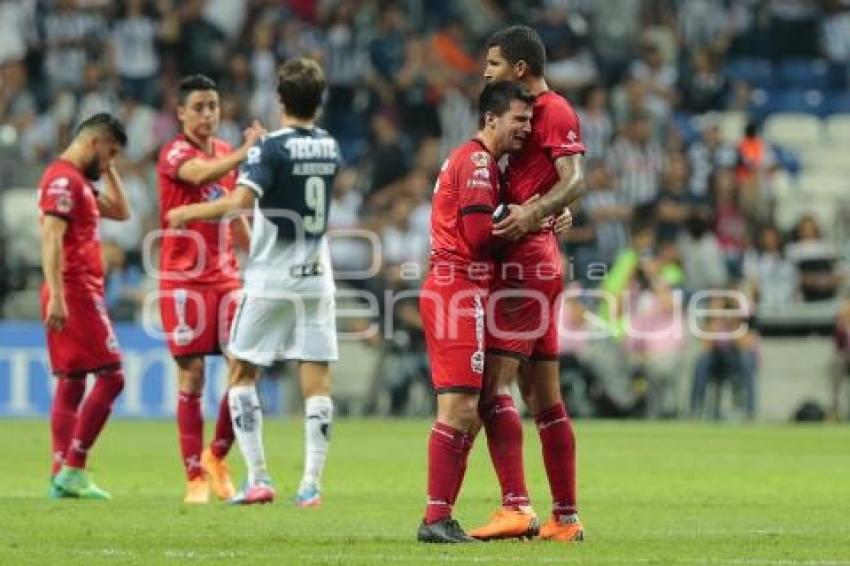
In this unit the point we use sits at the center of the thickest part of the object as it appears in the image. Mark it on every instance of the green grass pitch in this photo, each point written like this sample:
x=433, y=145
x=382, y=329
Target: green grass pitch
x=658, y=493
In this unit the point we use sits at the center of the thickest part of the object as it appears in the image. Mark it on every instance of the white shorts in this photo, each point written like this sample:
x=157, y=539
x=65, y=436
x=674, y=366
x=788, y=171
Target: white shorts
x=269, y=327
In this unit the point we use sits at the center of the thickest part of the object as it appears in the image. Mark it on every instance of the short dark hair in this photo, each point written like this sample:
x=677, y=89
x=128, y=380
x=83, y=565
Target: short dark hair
x=496, y=98
x=192, y=83
x=300, y=86
x=104, y=122
x=521, y=43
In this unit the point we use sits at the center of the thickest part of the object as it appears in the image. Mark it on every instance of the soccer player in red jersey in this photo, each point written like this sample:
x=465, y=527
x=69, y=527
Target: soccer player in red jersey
x=199, y=275
x=80, y=339
x=453, y=296
x=542, y=181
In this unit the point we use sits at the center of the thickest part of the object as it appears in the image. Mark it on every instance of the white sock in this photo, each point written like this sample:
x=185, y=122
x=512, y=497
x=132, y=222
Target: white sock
x=247, y=416
x=318, y=414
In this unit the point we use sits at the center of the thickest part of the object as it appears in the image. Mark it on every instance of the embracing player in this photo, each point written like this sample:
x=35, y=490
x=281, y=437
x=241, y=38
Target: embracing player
x=522, y=338
x=199, y=276
x=454, y=294
x=80, y=338
x=288, y=308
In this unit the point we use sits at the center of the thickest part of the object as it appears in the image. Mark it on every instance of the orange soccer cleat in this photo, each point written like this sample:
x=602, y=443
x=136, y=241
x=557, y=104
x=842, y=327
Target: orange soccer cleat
x=219, y=474
x=556, y=530
x=197, y=491
x=509, y=522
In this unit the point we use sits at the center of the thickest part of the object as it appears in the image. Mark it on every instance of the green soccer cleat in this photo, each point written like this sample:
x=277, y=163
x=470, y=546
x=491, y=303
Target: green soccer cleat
x=76, y=482
x=54, y=492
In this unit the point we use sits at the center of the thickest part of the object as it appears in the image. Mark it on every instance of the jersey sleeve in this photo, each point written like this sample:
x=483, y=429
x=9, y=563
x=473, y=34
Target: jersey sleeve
x=560, y=133
x=478, y=194
x=60, y=196
x=256, y=171
x=173, y=157
x=477, y=181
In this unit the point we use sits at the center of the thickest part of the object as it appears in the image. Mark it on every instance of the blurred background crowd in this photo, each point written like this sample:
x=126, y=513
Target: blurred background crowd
x=716, y=134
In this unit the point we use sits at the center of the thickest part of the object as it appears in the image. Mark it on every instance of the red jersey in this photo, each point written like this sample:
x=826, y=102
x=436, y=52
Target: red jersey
x=65, y=192
x=468, y=185
x=206, y=258
x=555, y=132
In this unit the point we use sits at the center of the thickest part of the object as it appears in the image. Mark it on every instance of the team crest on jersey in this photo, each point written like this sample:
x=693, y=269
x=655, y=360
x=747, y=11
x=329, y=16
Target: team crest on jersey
x=58, y=188
x=212, y=192
x=64, y=204
x=480, y=158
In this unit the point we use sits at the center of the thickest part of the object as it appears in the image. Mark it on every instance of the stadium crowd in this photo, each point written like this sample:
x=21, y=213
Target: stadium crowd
x=676, y=204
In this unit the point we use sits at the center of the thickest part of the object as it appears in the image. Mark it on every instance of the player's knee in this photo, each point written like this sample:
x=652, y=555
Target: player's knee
x=529, y=398
x=458, y=411
x=191, y=374
x=466, y=412
x=113, y=379
x=242, y=373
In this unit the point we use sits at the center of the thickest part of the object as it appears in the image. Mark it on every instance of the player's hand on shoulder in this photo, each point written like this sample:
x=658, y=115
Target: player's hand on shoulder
x=57, y=313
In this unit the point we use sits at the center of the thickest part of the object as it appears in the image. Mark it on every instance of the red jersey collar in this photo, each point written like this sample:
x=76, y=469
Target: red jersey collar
x=187, y=139
x=484, y=147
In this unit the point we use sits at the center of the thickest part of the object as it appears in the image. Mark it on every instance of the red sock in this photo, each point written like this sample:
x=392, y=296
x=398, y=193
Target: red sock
x=93, y=415
x=504, y=439
x=445, y=449
x=223, y=439
x=63, y=417
x=190, y=425
x=559, y=456
x=466, y=447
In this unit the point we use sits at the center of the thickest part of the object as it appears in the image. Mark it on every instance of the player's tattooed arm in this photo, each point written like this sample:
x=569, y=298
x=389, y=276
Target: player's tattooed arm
x=234, y=203
x=112, y=203
x=529, y=216
x=202, y=171
x=568, y=189
x=52, y=231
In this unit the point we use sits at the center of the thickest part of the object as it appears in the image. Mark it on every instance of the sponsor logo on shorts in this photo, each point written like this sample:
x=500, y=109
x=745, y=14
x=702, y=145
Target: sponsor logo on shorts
x=182, y=334
x=307, y=270
x=477, y=358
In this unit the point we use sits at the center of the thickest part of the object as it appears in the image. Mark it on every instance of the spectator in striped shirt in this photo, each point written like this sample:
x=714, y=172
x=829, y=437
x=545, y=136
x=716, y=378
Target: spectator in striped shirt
x=597, y=127
x=608, y=211
x=636, y=160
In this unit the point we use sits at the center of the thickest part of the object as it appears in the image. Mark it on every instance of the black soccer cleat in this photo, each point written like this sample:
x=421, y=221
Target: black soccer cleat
x=446, y=531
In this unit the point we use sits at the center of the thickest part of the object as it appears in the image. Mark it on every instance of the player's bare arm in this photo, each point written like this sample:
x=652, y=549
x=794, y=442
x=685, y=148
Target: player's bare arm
x=202, y=171
x=241, y=232
x=112, y=203
x=52, y=231
x=241, y=199
x=527, y=218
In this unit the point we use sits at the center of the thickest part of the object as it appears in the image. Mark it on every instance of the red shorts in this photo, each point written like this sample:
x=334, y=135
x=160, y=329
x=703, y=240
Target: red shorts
x=453, y=323
x=87, y=342
x=196, y=320
x=523, y=317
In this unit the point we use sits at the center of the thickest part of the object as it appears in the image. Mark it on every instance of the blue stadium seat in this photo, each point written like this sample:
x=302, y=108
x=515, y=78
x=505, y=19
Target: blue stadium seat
x=836, y=102
x=803, y=101
x=756, y=72
x=804, y=73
